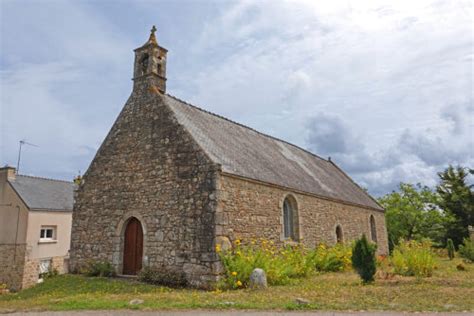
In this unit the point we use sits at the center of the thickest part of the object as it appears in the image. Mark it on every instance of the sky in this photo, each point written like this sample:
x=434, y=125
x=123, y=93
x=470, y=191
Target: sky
x=385, y=88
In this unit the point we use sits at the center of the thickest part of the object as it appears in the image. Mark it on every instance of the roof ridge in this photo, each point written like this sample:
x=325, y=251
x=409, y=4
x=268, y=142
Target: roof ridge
x=43, y=178
x=247, y=127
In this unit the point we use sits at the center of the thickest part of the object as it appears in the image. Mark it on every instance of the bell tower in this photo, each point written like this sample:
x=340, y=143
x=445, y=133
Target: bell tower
x=150, y=64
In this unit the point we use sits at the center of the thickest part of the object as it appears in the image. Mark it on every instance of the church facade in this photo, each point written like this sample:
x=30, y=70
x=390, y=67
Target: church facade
x=171, y=181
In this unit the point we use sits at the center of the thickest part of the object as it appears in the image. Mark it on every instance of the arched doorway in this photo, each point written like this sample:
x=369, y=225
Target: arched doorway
x=133, y=247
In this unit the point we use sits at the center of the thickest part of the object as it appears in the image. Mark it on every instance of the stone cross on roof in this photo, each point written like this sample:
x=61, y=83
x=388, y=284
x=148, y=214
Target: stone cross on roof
x=152, y=35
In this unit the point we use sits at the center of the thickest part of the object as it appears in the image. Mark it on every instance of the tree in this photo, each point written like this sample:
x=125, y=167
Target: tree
x=457, y=199
x=413, y=213
x=450, y=248
x=363, y=259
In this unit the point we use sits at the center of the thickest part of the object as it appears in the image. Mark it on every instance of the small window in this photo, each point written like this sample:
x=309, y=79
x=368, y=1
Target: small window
x=290, y=219
x=339, y=236
x=373, y=229
x=47, y=233
x=144, y=64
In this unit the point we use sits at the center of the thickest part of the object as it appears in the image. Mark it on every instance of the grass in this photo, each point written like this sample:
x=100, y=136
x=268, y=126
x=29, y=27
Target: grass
x=447, y=290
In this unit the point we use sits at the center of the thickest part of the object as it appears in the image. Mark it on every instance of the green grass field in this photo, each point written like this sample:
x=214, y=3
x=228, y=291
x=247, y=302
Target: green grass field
x=447, y=290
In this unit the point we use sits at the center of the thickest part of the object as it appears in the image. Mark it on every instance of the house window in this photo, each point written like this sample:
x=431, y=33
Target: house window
x=290, y=219
x=339, y=236
x=48, y=233
x=373, y=229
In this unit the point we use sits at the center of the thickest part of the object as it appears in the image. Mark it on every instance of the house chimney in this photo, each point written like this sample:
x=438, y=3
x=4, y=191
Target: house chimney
x=7, y=173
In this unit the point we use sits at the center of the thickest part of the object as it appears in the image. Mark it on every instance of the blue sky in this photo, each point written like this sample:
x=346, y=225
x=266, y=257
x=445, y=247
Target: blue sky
x=383, y=87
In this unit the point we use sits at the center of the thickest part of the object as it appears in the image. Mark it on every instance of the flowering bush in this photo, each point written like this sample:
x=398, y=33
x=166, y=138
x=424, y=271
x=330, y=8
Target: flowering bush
x=413, y=258
x=326, y=259
x=280, y=264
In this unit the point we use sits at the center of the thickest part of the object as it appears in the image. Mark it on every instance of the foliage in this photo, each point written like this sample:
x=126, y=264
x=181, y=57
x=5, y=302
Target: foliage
x=448, y=290
x=363, y=259
x=466, y=250
x=98, y=269
x=457, y=199
x=281, y=264
x=412, y=213
x=162, y=276
x=413, y=258
x=331, y=259
x=450, y=248
x=51, y=273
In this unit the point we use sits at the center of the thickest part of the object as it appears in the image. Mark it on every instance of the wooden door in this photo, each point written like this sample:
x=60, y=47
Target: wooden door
x=133, y=247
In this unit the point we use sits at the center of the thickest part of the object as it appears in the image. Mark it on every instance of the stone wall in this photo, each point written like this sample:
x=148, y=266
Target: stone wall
x=31, y=273
x=148, y=167
x=12, y=261
x=249, y=209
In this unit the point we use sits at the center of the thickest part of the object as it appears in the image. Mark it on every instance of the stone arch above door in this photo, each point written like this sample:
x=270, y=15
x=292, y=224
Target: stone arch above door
x=117, y=259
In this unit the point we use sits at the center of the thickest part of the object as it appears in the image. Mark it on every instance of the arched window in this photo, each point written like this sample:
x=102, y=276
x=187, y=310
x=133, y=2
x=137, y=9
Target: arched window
x=144, y=64
x=339, y=236
x=373, y=229
x=290, y=218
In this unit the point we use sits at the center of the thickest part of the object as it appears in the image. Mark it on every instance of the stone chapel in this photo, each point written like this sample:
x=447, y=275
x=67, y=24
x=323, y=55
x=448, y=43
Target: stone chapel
x=171, y=181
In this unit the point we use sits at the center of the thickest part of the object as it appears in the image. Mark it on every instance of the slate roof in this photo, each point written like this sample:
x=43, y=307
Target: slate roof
x=44, y=194
x=248, y=153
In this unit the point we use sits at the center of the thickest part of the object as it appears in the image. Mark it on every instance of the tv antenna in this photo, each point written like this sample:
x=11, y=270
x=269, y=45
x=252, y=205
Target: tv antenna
x=22, y=142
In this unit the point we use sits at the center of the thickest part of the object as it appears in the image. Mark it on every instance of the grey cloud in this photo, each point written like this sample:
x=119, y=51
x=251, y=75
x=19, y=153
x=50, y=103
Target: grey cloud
x=328, y=135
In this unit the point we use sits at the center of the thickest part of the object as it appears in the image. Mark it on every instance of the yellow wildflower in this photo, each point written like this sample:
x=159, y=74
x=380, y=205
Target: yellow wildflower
x=234, y=273
x=218, y=248
x=238, y=283
x=237, y=242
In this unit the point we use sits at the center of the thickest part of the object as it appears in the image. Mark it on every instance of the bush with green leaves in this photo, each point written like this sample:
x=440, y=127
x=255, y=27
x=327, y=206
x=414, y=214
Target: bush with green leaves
x=51, y=273
x=466, y=250
x=413, y=258
x=99, y=269
x=162, y=276
x=363, y=259
x=281, y=264
x=450, y=248
x=331, y=259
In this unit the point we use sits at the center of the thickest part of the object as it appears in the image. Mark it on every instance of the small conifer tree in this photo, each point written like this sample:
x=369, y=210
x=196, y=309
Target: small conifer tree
x=363, y=259
x=450, y=247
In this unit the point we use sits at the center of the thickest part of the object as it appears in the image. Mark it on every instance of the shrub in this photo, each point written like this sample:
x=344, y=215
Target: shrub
x=331, y=259
x=466, y=250
x=162, y=276
x=279, y=264
x=363, y=259
x=99, y=269
x=413, y=258
x=450, y=248
x=51, y=273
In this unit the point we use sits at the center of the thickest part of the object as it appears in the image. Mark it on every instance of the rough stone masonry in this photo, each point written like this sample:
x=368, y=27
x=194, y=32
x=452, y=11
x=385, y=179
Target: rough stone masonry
x=194, y=179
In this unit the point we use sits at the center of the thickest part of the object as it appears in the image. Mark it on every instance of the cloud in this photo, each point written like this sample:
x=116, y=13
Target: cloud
x=383, y=87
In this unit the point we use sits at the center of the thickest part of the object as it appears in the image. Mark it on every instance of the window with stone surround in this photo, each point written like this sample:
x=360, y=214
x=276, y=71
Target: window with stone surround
x=290, y=219
x=373, y=229
x=339, y=235
x=47, y=233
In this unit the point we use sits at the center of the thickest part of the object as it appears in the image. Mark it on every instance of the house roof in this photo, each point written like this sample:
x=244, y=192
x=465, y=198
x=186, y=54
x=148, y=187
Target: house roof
x=245, y=152
x=44, y=194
